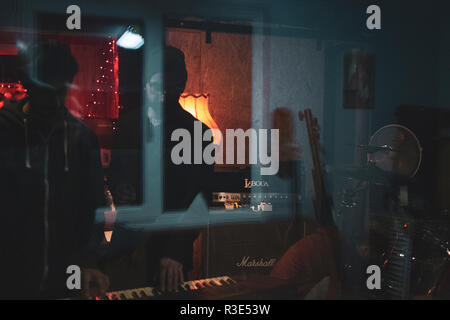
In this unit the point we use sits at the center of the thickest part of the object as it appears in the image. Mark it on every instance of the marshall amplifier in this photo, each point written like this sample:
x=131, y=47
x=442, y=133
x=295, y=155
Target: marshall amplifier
x=243, y=249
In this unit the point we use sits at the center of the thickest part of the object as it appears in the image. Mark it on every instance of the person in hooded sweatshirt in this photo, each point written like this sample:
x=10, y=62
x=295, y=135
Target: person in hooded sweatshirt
x=51, y=182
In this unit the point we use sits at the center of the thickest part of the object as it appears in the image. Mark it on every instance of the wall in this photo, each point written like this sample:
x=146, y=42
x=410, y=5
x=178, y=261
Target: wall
x=221, y=68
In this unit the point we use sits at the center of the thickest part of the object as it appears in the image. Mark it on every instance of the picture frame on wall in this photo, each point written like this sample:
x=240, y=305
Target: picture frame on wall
x=359, y=79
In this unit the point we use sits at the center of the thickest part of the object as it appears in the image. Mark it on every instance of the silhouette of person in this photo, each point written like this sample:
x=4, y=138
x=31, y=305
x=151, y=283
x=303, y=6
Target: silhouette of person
x=51, y=183
x=181, y=182
x=168, y=253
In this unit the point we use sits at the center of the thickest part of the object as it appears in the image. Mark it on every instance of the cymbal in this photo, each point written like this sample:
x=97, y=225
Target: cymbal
x=400, y=152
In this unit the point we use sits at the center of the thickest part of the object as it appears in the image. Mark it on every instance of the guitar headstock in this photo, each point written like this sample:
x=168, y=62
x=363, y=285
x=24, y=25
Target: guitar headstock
x=312, y=124
x=301, y=115
x=315, y=129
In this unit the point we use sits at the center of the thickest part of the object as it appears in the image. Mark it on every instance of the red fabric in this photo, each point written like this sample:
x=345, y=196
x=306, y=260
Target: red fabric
x=8, y=41
x=311, y=259
x=8, y=49
x=91, y=54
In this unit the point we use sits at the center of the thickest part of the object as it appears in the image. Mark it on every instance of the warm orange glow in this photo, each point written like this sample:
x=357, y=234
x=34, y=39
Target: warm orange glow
x=197, y=105
x=108, y=235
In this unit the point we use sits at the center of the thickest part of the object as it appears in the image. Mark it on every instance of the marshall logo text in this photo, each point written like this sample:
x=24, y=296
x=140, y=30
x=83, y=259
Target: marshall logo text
x=247, y=263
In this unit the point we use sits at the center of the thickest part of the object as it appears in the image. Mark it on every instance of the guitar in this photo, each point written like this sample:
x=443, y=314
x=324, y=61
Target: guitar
x=322, y=201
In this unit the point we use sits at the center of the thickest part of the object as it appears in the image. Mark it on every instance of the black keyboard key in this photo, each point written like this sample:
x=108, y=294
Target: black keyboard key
x=156, y=292
x=200, y=285
x=143, y=294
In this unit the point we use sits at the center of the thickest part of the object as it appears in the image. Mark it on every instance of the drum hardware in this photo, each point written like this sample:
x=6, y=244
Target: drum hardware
x=348, y=197
x=394, y=155
x=400, y=152
x=373, y=149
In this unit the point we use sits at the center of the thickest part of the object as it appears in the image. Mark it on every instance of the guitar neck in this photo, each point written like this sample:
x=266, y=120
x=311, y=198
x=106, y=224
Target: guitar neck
x=322, y=205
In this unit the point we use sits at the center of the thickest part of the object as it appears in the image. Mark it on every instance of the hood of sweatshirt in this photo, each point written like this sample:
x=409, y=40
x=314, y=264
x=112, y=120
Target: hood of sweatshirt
x=40, y=119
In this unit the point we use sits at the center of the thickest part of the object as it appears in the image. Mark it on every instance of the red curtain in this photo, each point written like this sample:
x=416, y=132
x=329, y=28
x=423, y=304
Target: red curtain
x=94, y=93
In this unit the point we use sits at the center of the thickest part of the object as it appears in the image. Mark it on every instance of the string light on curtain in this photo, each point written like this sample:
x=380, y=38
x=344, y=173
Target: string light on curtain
x=106, y=86
x=11, y=91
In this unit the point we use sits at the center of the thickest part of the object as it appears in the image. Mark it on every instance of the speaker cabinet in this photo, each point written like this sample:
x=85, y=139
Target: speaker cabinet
x=244, y=249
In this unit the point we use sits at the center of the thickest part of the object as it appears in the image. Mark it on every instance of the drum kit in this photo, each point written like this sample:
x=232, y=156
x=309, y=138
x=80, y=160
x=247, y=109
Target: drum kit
x=393, y=153
x=394, y=156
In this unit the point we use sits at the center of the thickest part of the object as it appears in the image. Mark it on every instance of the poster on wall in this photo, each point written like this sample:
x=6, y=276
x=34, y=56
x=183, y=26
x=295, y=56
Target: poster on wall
x=359, y=69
